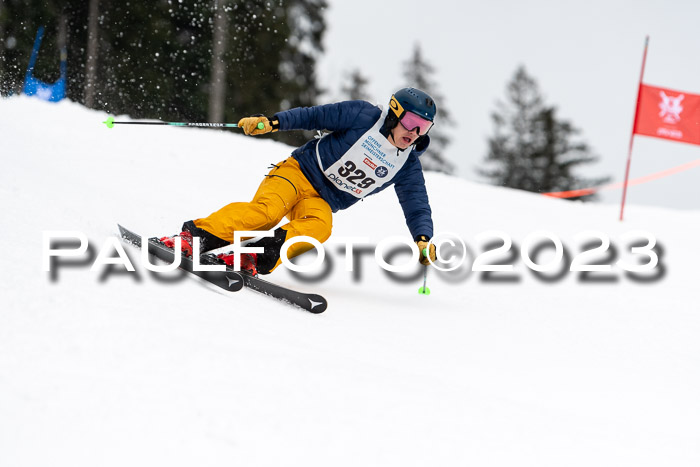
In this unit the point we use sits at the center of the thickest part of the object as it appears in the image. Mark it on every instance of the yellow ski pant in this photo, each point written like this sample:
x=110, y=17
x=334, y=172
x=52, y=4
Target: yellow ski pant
x=285, y=192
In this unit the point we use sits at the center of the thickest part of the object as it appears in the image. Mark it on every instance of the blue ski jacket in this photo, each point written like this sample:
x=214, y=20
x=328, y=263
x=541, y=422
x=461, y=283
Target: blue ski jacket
x=348, y=121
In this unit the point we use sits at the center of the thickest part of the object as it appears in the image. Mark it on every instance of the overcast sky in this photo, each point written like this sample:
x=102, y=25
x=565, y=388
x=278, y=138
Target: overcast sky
x=585, y=55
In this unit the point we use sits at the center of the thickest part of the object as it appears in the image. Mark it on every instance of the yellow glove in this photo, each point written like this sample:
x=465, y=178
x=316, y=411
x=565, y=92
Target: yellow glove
x=422, y=241
x=257, y=125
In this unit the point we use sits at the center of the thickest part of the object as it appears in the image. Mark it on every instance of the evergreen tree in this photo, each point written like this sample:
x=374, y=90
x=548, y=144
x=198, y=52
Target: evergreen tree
x=418, y=74
x=19, y=22
x=155, y=58
x=356, y=88
x=217, y=83
x=2, y=44
x=93, y=44
x=532, y=149
x=272, y=58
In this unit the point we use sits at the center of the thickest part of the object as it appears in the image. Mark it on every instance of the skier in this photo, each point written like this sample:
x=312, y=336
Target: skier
x=367, y=150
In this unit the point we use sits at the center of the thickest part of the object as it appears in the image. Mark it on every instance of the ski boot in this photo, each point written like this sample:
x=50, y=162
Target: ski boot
x=186, y=242
x=249, y=262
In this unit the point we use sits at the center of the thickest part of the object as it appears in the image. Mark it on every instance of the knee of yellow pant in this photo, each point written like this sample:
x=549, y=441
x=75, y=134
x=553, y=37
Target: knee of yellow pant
x=323, y=230
x=318, y=229
x=261, y=215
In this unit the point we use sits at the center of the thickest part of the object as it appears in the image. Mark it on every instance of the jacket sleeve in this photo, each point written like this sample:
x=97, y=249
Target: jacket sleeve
x=410, y=189
x=333, y=117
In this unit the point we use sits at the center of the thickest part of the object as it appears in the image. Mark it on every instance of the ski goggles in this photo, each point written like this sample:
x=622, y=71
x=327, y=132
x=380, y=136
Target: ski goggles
x=411, y=121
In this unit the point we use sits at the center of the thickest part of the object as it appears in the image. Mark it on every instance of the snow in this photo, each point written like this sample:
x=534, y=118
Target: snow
x=113, y=368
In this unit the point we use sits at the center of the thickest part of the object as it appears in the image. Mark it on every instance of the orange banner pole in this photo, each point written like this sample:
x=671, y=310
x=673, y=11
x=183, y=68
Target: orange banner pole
x=634, y=125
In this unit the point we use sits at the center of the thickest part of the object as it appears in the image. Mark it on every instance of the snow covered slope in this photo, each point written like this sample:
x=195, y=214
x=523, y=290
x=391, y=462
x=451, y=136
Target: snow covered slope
x=113, y=368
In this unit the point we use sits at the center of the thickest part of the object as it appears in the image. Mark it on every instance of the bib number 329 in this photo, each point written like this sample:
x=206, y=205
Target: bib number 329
x=356, y=176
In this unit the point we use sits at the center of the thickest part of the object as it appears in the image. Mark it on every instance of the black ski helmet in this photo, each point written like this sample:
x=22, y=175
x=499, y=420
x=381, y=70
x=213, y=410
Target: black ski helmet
x=408, y=100
x=412, y=100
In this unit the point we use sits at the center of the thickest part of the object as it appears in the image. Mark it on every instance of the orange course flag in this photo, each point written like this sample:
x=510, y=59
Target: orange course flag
x=669, y=114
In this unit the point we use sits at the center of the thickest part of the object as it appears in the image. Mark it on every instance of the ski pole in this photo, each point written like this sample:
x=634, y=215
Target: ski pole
x=424, y=290
x=110, y=124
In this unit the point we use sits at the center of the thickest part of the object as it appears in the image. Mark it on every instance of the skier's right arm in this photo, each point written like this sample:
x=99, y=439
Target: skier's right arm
x=333, y=117
x=258, y=125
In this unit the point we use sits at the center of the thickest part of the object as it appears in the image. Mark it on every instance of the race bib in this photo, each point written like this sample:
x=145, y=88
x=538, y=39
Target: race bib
x=369, y=164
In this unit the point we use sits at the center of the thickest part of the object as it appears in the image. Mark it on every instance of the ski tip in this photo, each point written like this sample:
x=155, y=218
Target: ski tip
x=235, y=281
x=109, y=122
x=317, y=304
x=129, y=237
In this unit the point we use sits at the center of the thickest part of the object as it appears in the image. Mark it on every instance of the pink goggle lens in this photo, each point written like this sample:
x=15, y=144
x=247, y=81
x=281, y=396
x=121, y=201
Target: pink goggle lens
x=410, y=121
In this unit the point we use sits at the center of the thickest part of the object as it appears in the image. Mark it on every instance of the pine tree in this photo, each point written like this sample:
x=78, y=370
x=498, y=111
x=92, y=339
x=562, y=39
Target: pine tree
x=155, y=57
x=419, y=74
x=19, y=22
x=2, y=45
x=356, y=89
x=93, y=44
x=532, y=149
x=272, y=59
x=217, y=83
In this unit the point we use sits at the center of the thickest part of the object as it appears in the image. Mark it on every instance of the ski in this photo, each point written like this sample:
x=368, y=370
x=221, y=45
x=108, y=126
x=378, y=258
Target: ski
x=312, y=303
x=231, y=280
x=228, y=280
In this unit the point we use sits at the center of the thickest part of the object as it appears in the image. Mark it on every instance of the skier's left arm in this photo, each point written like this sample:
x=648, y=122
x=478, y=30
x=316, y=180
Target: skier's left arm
x=413, y=197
